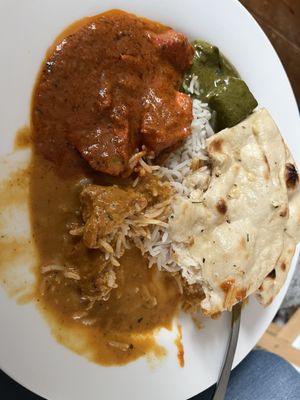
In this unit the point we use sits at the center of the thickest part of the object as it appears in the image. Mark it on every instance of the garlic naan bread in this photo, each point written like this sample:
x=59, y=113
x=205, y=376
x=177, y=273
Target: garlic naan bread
x=237, y=233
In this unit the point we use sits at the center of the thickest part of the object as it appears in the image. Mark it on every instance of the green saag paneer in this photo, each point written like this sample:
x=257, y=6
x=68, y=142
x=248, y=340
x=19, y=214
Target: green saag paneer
x=220, y=86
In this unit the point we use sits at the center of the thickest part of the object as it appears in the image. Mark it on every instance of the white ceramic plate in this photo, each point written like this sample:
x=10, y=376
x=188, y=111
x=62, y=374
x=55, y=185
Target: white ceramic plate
x=28, y=352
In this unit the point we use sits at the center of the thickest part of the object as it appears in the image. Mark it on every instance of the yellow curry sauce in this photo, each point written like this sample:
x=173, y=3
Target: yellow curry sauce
x=114, y=331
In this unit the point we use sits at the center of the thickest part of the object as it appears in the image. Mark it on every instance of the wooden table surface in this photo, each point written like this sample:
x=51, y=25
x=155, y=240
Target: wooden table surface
x=280, y=19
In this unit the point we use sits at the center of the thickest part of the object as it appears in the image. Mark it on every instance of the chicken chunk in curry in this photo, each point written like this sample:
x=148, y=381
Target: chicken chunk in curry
x=104, y=208
x=113, y=214
x=110, y=87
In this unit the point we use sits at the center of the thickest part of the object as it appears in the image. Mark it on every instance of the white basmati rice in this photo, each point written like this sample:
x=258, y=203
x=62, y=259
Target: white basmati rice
x=178, y=166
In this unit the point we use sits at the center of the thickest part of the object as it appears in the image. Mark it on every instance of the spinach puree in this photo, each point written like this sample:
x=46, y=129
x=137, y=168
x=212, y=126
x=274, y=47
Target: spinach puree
x=219, y=85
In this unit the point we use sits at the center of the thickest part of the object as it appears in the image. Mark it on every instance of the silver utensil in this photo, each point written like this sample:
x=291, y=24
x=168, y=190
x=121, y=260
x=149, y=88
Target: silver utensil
x=222, y=382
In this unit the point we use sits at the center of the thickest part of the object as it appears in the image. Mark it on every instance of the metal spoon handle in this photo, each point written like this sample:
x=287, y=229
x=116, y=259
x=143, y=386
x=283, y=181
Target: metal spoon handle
x=222, y=382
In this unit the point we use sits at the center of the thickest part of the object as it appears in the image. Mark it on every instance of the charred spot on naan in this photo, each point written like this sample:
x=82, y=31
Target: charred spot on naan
x=227, y=285
x=229, y=289
x=291, y=176
x=243, y=242
x=284, y=212
x=267, y=163
x=221, y=206
x=268, y=170
x=216, y=146
x=232, y=294
x=241, y=294
x=272, y=274
x=270, y=277
x=192, y=294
